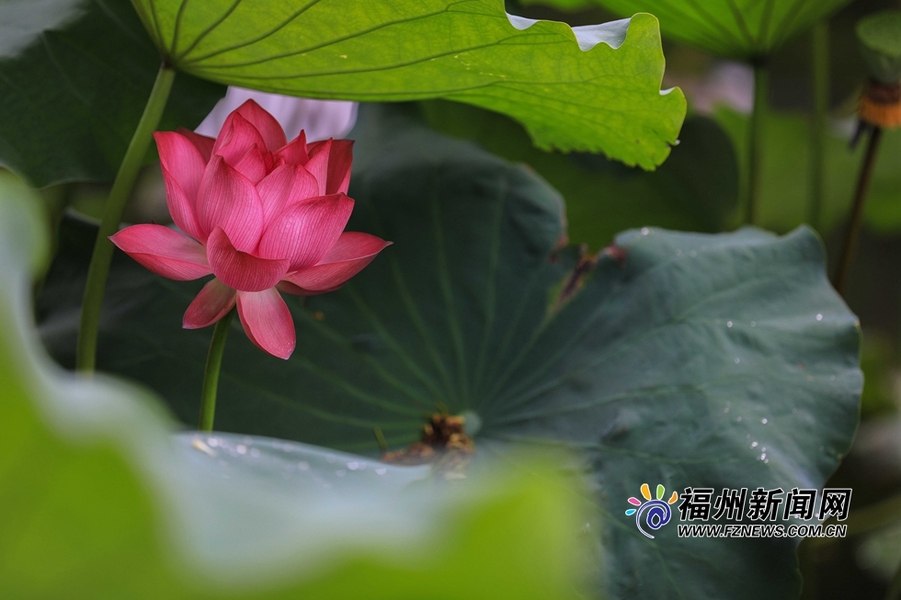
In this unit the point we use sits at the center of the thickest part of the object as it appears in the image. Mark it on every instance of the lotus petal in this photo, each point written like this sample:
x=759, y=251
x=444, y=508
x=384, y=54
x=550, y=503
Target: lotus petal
x=203, y=143
x=254, y=165
x=318, y=163
x=182, y=208
x=240, y=270
x=211, y=304
x=340, y=159
x=305, y=232
x=350, y=254
x=182, y=160
x=164, y=251
x=229, y=200
x=295, y=153
x=286, y=185
x=238, y=136
x=270, y=129
x=267, y=322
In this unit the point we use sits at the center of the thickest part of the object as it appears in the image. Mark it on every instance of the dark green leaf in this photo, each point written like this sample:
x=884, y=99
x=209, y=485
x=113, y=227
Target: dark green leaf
x=595, y=88
x=99, y=500
x=733, y=28
x=695, y=189
x=74, y=78
x=677, y=367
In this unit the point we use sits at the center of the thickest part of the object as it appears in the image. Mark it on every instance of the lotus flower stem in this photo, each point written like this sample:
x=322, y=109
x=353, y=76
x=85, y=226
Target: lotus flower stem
x=211, y=372
x=820, y=60
x=755, y=139
x=860, y=196
x=98, y=271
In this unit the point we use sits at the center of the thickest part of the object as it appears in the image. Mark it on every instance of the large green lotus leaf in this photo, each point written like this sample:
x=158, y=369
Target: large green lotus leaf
x=593, y=88
x=733, y=28
x=74, y=78
x=696, y=189
x=785, y=187
x=676, y=367
x=98, y=499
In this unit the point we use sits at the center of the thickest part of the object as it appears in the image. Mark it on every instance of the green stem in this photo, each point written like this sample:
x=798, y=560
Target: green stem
x=755, y=139
x=820, y=59
x=860, y=196
x=211, y=372
x=98, y=271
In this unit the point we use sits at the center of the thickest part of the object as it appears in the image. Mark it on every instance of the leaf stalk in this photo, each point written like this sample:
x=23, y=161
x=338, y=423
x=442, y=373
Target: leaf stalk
x=820, y=60
x=98, y=271
x=860, y=196
x=756, y=139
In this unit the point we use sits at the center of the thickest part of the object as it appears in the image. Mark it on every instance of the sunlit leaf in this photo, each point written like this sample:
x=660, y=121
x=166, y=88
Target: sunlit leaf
x=594, y=88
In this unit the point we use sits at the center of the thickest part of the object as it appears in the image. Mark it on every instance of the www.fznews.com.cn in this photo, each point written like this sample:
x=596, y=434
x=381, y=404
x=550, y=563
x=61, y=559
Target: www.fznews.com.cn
x=756, y=530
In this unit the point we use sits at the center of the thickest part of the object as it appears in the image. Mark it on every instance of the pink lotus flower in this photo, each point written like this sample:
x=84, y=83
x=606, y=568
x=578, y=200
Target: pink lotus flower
x=262, y=214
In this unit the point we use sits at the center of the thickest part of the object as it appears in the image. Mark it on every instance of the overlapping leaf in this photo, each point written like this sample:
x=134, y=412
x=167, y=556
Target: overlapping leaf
x=696, y=189
x=594, y=88
x=74, y=78
x=678, y=366
x=99, y=500
x=733, y=28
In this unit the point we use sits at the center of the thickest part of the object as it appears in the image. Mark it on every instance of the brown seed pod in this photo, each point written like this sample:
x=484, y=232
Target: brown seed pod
x=443, y=444
x=880, y=104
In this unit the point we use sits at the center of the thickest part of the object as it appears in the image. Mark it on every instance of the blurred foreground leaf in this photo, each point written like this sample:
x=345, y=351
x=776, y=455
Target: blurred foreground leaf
x=594, y=88
x=720, y=361
x=99, y=500
x=74, y=78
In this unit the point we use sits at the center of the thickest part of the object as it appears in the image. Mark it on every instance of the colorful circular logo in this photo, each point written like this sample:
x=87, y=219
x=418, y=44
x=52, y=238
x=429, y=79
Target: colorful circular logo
x=653, y=514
